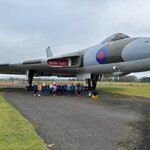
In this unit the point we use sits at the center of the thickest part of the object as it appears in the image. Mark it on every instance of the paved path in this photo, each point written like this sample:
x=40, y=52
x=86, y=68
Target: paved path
x=79, y=123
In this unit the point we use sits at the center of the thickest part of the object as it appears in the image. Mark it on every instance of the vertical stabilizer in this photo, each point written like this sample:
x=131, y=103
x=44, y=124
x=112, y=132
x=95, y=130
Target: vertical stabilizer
x=49, y=52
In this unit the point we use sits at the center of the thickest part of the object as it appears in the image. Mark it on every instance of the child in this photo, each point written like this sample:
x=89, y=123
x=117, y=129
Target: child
x=72, y=89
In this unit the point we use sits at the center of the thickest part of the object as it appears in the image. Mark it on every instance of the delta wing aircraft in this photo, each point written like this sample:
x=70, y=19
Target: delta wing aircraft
x=117, y=55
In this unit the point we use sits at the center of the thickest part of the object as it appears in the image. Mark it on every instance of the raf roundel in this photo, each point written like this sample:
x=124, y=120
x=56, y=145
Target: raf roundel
x=101, y=56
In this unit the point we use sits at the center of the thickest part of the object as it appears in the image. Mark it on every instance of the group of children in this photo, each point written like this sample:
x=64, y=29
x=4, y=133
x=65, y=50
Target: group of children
x=57, y=89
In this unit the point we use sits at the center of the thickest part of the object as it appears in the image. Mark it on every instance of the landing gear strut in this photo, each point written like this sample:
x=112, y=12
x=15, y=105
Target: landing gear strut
x=92, y=88
x=30, y=75
x=94, y=78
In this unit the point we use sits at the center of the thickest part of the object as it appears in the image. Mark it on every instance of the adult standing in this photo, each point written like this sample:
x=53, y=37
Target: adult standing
x=35, y=89
x=79, y=88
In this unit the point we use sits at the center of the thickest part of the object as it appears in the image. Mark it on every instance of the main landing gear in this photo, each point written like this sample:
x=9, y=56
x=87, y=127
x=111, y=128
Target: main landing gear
x=92, y=83
x=30, y=75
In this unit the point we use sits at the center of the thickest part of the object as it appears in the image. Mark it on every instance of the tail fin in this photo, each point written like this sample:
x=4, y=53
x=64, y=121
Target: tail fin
x=49, y=52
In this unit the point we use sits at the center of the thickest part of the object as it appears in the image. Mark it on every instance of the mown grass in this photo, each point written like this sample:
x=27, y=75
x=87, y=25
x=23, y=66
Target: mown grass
x=16, y=133
x=126, y=88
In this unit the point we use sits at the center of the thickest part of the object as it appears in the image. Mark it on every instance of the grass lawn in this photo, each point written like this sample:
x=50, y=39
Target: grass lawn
x=16, y=133
x=126, y=88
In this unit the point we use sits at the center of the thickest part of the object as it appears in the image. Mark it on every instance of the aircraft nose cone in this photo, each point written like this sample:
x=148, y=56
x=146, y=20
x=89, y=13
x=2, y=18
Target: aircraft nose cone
x=138, y=49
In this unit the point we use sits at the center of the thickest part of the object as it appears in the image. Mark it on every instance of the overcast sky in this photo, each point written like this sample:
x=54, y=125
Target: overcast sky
x=27, y=27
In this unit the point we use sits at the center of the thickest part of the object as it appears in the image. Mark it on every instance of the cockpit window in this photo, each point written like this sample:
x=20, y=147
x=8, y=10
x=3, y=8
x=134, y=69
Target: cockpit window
x=115, y=37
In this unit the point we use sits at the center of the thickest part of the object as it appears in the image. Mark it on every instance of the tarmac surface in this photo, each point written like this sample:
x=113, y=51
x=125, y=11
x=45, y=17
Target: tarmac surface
x=80, y=123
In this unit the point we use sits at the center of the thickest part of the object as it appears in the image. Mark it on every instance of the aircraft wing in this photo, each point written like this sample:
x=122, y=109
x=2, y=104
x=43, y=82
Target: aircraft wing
x=64, y=66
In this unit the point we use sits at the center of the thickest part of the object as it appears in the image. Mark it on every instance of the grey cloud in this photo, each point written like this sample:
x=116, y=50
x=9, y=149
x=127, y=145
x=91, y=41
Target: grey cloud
x=31, y=25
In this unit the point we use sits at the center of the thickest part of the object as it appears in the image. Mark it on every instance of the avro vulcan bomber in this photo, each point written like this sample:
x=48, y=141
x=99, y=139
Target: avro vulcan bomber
x=117, y=55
